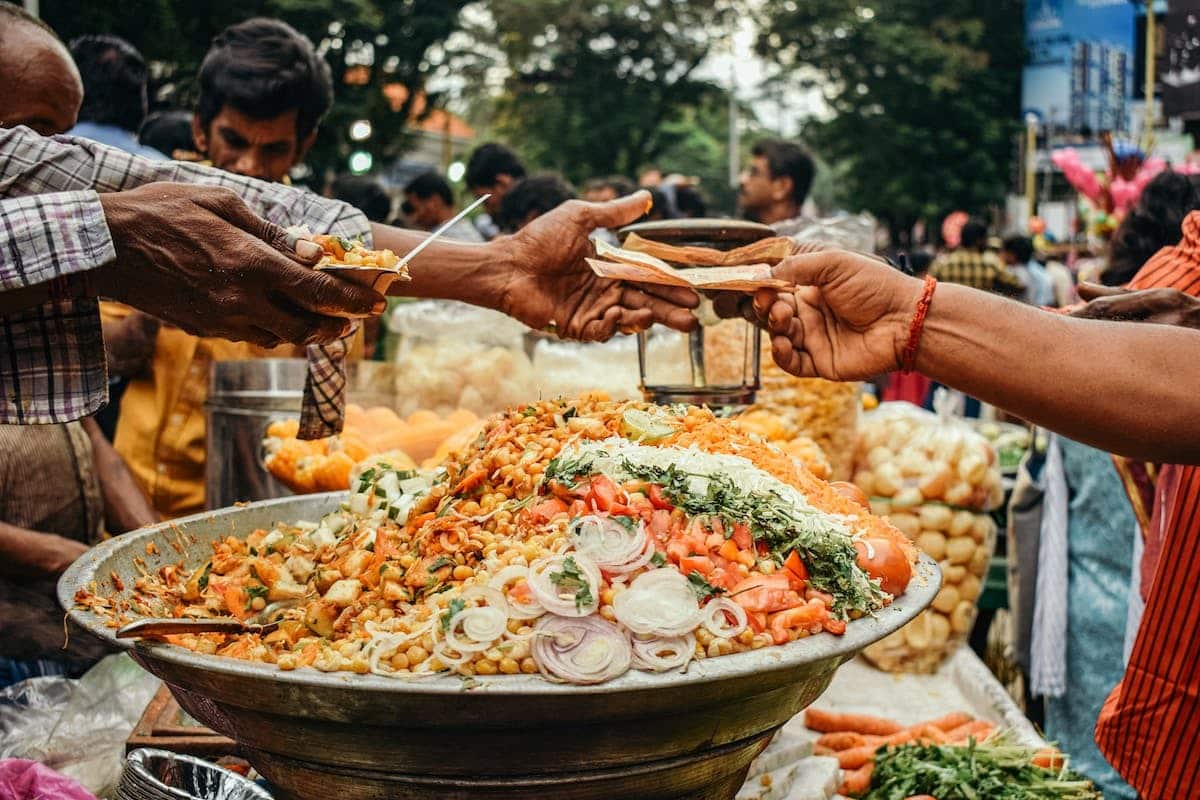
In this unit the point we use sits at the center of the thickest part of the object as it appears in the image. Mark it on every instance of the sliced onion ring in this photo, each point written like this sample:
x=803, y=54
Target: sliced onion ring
x=661, y=654
x=658, y=603
x=717, y=623
x=481, y=627
x=614, y=547
x=516, y=610
x=581, y=650
x=549, y=595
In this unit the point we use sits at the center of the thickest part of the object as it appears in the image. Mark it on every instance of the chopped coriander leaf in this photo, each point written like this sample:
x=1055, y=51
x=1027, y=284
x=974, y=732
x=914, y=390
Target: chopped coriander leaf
x=456, y=605
x=439, y=563
x=701, y=587
x=254, y=551
x=203, y=582
x=572, y=579
x=570, y=412
x=529, y=411
x=658, y=559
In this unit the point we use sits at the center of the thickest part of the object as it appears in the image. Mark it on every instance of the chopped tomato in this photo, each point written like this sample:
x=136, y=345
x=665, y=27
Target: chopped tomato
x=578, y=508
x=802, y=616
x=660, y=524
x=729, y=550
x=470, y=482
x=714, y=540
x=235, y=601
x=521, y=592
x=742, y=537
x=701, y=564
x=724, y=577
x=835, y=626
x=766, y=593
x=603, y=493
x=757, y=621
x=546, y=510
x=657, y=498
x=882, y=558
x=796, y=570
x=678, y=549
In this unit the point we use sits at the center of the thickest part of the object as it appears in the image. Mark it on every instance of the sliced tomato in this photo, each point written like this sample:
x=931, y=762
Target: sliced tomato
x=690, y=564
x=742, y=537
x=781, y=623
x=766, y=593
x=796, y=570
x=658, y=499
x=852, y=493
x=882, y=558
x=546, y=510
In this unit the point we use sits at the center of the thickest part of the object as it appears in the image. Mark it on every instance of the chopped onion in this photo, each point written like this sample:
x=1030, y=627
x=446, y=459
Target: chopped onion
x=663, y=653
x=561, y=601
x=659, y=603
x=614, y=547
x=580, y=649
x=718, y=624
x=516, y=610
x=481, y=627
x=489, y=594
x=440, y=652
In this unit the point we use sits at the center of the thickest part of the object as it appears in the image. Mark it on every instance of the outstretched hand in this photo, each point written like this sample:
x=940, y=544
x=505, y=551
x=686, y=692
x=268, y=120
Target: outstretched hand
x=1161, y=306
x=549, y=284
x=846, y=319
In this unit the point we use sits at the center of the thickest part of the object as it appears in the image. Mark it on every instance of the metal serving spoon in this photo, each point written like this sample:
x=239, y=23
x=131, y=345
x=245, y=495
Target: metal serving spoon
x=259, y=623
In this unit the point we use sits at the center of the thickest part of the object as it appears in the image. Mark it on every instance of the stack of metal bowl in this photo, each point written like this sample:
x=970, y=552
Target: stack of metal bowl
x=162, y=775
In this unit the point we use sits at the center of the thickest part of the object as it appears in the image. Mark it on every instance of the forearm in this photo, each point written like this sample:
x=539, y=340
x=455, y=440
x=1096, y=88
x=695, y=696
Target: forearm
x=125, y=504
x=1126, y=388
x=447, y=269
x=27, y=554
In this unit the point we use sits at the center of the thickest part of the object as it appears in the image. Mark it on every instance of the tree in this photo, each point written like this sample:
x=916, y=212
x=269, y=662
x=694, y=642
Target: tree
x=597, y=87
x=369, y=45
x=925, y=96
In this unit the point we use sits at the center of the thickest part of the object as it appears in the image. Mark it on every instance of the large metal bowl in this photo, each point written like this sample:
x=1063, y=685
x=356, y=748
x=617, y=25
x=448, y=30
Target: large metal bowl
x=338, y=735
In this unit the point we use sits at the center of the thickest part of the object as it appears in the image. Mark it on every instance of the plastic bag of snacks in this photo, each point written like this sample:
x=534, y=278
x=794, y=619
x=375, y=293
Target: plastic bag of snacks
x=825, y=411
x=935, y=479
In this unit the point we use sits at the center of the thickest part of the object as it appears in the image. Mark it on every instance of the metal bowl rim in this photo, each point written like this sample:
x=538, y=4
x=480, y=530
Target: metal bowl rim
x=859, y=633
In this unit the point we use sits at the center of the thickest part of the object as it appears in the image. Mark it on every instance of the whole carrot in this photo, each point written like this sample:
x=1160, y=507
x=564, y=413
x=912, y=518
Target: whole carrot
x=841, y=740
x=978, y=730
x=1049, y=758
x=856, y=782
x=833, y=721
x=950, y=721
x=856, y=757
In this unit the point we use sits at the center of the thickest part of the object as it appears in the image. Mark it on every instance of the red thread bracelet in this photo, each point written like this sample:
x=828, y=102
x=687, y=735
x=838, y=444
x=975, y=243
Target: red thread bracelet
x=909, y=357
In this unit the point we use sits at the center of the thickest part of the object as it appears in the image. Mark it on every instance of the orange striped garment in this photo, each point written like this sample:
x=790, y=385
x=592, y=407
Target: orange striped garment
x=1149, y=728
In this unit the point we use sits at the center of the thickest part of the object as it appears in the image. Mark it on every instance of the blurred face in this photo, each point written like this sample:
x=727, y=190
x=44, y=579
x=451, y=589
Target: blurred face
x=758, y=192
x=426, y=212
x=257, y=148
x=601, y=194
x=496, y=190
x=42, y=89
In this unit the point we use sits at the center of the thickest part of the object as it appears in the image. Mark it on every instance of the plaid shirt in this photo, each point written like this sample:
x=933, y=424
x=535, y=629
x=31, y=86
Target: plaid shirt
x=52, y=365
x=977, y=270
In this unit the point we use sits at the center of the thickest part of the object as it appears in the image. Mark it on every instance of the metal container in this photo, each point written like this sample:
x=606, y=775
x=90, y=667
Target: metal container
x=317, y=735
x=244, y=397
x=718, y=363
x=152, y=774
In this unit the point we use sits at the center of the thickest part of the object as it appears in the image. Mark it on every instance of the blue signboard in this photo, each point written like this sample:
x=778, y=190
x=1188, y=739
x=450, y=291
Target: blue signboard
x=1080, y=69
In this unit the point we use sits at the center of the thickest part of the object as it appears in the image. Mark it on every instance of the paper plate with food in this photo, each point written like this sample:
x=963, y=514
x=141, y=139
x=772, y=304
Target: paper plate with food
x=352, y=260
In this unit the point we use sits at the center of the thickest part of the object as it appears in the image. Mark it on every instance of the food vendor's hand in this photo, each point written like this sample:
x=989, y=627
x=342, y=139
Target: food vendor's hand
x=847, y=319
x=197, y=257
x=550, y=283
x=1161, y=306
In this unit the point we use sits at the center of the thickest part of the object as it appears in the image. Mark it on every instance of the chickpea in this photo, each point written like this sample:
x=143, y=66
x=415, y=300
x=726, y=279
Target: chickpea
x=462, y=572
x=510, y=666
x=713, y=650
x=399, y=661
x=484, y=667
x=493, y=654
x=416, y=654
x=703, y=636
x=258, y=603
x=529, y=666
x=519, y=651
x=286, y=662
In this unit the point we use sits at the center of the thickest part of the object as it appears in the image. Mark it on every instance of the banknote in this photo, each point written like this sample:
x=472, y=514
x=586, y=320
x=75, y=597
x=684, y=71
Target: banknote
x=744, y=278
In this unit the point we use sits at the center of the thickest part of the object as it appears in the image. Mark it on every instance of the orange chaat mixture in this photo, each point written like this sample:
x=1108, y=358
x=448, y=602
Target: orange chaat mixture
x=577, y=539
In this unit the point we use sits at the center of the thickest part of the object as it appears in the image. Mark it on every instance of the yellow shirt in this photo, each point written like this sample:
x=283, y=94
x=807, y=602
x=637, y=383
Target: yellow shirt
x=161, y=427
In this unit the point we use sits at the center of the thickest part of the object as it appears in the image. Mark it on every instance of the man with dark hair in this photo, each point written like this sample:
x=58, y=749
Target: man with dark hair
x=429, y=204
x=1017, y=254
x=493, y=169
x=689, y=202
x=773, y=188
x=263, y=92
x=971, y=264
x=114, y=93
x=170, y=133
x=364, y=193
x=530, y=198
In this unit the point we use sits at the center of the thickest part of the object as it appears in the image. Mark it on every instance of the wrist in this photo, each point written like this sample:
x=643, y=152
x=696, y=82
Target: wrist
x=495, y=281
x=902, y=318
